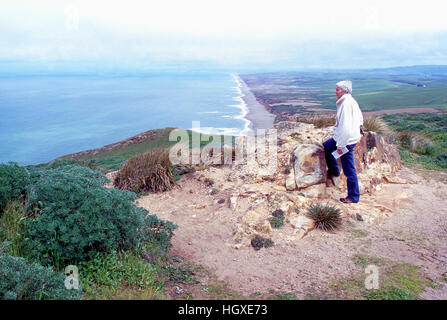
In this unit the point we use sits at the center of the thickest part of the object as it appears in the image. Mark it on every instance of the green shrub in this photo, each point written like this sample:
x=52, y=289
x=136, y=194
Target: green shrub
x=150, y=171
x=74, y=217
x=406, y=139
x=21, y=280
x=13, y=182
x=12, y=226
x=125, y=268
x=440, y=137
x=441, y=159
x=268, y=243
x=389, y=293
x=157, y=235
x=326, y=217
x=276, y=222
x=258, y=242
x=425, y=149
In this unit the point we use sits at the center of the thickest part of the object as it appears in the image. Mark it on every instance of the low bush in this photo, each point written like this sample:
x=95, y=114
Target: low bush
x=425, y=149
x=326, y=217
x=389, y=293
x=13, y=182
x=21, y=280
x=276, y=222
x=259, y=242
x=73, y=217
x=116, y=269
x=12, y=226
x=150, y=171
x=405, y=139
x=441, y=159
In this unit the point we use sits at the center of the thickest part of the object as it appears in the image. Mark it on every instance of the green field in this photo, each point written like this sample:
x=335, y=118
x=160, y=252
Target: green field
x=380, y=89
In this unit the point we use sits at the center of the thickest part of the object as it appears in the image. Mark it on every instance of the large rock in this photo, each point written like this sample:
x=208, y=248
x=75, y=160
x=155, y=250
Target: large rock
x=302, y=225
x=375, y=161
x=310, y=165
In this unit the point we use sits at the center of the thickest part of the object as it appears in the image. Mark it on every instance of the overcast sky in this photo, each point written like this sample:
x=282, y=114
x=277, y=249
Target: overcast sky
x=229, y=34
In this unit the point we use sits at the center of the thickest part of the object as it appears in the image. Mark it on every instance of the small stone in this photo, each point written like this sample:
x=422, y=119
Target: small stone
x=359, y=217
x=179, y=290
x=221, y=201
x=233, y=202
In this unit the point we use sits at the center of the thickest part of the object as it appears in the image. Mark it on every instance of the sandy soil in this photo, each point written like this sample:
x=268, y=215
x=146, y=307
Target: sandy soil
x=415, y=232
x=260, y=118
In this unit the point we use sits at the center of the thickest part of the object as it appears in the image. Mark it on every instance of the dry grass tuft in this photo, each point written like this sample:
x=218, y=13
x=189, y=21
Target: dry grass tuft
x=150, y=171
x=318, y=122
x=375, y=124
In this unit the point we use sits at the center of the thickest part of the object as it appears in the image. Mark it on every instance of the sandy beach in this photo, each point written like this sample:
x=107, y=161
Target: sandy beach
x=258, y=116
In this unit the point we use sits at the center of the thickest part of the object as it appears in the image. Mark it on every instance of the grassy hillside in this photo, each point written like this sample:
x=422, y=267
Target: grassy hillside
x=404, y=97
x=422, y=138
x=112, y=157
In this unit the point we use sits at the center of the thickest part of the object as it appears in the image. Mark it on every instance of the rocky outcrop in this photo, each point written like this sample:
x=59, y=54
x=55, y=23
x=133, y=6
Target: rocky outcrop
x=297, y=179
x=375, y=162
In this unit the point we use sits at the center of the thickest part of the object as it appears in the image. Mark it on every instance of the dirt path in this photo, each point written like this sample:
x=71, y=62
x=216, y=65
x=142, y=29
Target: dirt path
x=416, y=233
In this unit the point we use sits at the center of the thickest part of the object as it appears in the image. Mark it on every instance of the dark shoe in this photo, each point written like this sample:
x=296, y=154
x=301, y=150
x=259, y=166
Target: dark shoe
x=347, y=200
x=330, y=174
x=331, y=179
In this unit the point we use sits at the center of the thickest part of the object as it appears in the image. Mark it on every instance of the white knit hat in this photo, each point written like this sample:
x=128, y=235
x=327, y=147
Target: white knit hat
x=345, y=85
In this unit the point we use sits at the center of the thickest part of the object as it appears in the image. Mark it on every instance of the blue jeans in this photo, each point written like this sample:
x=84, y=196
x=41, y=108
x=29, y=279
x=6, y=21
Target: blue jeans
x=347, y=162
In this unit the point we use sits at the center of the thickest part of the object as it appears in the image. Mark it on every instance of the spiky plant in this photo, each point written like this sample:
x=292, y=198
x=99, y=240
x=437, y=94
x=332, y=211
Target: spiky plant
x=326, y=217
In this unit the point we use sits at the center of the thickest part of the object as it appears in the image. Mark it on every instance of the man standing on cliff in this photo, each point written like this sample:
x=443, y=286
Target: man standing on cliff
x=346, y=135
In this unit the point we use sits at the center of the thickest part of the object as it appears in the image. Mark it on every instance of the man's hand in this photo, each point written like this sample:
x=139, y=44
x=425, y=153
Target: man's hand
x=339, y=151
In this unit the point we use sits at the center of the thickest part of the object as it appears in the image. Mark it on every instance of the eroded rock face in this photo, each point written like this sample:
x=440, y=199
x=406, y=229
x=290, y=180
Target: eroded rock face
x=375, y=162
x=309, y=166
x=374, y=159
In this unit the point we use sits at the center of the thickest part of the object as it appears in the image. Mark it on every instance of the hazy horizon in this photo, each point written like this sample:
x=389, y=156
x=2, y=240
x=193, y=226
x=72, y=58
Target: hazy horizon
x=139, y=36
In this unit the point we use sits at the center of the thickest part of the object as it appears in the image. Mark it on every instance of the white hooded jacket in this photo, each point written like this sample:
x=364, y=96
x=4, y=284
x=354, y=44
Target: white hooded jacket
x=349, y=120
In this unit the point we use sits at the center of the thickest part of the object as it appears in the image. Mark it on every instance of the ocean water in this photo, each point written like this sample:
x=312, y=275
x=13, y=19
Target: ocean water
x=42, y=118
